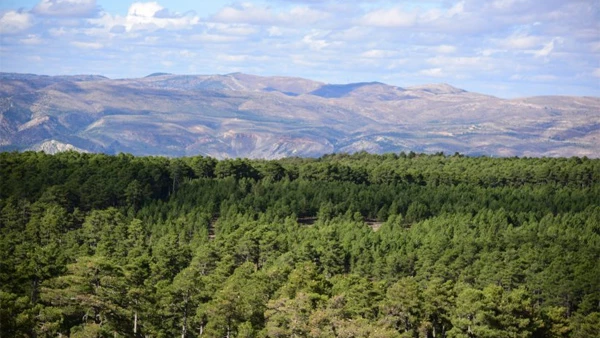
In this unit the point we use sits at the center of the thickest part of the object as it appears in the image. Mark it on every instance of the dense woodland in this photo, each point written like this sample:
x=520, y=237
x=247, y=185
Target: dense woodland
x=394, y=245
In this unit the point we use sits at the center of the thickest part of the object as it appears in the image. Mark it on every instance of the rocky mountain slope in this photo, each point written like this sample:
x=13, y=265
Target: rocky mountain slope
x=240, y=115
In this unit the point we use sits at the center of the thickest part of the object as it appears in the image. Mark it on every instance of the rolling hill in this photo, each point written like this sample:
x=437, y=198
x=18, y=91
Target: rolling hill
x=241, y=115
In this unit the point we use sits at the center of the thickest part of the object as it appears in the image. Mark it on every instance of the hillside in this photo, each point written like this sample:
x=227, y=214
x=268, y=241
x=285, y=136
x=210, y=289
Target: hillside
x=240, y=115
x=362, y=245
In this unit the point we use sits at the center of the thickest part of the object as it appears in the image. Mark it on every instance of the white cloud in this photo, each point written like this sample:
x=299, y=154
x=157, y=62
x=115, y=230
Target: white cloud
x=275, y=31
x=65, y=8
x=265, y=16
x=546, y=50
x=313, y=41
x=459, y=61
x=31, y=39
x=444, y=49
x=457, y=9
x=378, y=54
x=187, y=54
x=247, y=13
x=241, y=58
x=353, y=34
x=490, y=52
x=377, y=40
x=233, y=29
x=544, y=77
x=146, y=16
x=394, y=17
x=87, y=45
x=432, y=72
x=233, y=58
x=151, y=40
x=395, y=64
x=534, y=78
x=461, y=66
x=504, y=4
x=144, y=9
x=303, y=61
x=57, y=32
x=519, y=41
x=13, y=22
x=308, y=15
x=212, y=38
x=516, y=77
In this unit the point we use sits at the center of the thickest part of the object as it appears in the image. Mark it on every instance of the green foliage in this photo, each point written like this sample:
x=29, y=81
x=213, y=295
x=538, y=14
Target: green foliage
x=393, y=245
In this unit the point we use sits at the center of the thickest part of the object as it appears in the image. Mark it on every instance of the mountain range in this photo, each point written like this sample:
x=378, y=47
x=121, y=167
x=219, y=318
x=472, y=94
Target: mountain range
x=241, y=115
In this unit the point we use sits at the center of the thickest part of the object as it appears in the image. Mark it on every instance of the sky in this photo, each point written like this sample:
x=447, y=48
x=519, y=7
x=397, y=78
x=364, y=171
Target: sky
x=506, y=48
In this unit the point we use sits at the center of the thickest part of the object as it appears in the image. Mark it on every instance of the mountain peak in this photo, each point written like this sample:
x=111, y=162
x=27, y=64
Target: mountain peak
x=438, y=88
x=158, y=74
x=243, y=115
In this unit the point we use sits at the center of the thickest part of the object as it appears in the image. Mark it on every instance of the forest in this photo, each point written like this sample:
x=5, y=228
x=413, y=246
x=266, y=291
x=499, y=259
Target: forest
x=360, y=245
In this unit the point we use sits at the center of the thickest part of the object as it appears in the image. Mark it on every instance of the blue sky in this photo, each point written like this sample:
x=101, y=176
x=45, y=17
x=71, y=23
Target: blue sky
x=507, y=48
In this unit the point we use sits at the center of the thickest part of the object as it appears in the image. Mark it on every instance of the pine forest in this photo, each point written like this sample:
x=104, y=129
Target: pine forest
x=361, y=245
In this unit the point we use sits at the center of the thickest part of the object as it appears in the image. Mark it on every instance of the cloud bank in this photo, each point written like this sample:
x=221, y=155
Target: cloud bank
x=506, y=48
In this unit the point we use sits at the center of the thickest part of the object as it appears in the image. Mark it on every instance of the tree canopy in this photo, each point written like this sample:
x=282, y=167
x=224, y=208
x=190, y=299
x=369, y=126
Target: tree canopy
x=361, y=245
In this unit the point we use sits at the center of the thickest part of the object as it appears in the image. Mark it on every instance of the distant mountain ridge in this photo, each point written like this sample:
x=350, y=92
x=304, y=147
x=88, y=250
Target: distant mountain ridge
x=242, y=115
